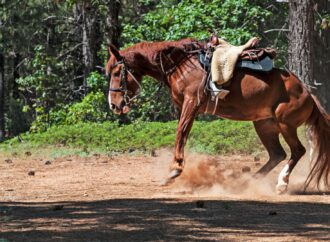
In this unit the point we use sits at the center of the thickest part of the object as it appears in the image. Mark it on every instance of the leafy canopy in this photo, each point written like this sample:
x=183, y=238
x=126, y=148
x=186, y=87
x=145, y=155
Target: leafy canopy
x=235, y=20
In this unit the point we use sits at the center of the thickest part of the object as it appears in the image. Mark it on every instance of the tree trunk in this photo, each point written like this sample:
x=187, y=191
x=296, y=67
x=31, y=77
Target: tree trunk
x=2, y=97
x=91, y=37
x=301, y=19
x=322, y=53
x=113, y=26
x=14, y=86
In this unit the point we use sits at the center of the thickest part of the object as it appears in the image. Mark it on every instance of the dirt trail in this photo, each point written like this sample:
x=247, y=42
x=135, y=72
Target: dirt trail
x=118, y=198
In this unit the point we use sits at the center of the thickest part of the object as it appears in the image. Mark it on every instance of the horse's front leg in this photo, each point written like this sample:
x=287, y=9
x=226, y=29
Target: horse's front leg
x=187, y=116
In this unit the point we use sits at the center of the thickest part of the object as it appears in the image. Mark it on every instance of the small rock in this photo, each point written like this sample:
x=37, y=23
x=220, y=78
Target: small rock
x=200, y=204
x=153, y=153
x=256, y=158
x=31, y=173
x=246, y=169
x=130, y=150
x=105, y=161
x=57, y=207
x=258, y=164
x=272, y=213
x=28, y=153
x=9, y=161
x=85, y=195
x=48, y=162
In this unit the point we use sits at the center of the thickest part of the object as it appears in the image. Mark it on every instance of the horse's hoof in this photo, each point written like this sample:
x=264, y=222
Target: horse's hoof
x=171, y=177
x=174, y=173
x=281, y=189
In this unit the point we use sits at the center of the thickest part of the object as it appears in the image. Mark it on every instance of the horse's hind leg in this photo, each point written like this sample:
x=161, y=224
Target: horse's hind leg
x=297, y=151
x=268, y=132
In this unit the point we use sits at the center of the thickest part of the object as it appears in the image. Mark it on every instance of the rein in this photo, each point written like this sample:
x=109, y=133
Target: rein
x=123, y=82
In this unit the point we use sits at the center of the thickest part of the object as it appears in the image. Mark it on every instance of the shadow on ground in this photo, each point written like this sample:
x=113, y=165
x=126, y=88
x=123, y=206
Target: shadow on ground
x=162, y=219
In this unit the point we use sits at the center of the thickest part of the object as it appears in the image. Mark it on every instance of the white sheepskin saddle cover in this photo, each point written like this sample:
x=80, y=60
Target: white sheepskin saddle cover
x=224, y=59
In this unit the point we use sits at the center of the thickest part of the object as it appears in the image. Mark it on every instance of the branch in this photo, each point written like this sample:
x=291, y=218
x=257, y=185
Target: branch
x=70, y=50
x=278, y=30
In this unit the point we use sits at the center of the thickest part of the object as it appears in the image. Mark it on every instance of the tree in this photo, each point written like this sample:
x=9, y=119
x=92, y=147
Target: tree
x=309, y=41
x=112, y=22
x=300, y=46
x=2, y=97
x=321, y=50
x=90, y=25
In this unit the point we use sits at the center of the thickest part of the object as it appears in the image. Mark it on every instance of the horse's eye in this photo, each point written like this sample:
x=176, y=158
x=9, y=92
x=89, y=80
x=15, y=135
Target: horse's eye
x=129, y=92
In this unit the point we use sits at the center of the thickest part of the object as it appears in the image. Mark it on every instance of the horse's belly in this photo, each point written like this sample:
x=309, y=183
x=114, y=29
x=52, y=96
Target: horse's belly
x=241, y=112
x=240, y=116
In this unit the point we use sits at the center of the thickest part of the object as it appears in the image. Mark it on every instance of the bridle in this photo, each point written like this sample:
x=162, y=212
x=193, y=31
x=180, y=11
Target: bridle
x=125, y=70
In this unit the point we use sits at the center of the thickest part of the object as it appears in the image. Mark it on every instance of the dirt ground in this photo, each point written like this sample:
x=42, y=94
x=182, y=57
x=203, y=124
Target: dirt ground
x=119, y=198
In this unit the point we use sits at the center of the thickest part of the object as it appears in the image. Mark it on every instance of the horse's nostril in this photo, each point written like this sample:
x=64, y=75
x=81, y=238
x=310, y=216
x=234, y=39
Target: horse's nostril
x=112, y=106
x=122, y=104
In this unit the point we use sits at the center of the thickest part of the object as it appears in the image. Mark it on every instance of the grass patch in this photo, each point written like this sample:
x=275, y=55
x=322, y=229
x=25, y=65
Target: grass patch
x=216, y=137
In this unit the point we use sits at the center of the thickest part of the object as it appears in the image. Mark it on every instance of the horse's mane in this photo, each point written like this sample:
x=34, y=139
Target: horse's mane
x=152, y=50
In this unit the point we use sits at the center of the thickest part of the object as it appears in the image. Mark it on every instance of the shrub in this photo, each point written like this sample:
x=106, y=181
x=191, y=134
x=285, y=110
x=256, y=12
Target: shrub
x=216, y=137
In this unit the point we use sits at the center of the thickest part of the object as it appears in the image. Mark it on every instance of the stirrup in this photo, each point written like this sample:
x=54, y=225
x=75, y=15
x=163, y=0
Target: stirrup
x=218, y=92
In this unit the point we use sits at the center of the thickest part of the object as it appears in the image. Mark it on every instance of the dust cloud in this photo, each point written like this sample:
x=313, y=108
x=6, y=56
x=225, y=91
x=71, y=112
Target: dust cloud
x=205, y=175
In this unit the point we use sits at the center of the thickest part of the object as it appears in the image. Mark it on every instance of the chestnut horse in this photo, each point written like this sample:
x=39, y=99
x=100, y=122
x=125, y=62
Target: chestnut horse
x=276, y=102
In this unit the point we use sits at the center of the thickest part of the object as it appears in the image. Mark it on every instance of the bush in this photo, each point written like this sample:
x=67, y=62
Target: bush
x=217, y=137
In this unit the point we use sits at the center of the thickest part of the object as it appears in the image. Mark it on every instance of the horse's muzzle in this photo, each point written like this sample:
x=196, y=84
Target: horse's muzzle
x=122, y=109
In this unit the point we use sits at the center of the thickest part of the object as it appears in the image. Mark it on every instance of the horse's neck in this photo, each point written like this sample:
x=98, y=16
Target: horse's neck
x=147, y=67
x=145, y=63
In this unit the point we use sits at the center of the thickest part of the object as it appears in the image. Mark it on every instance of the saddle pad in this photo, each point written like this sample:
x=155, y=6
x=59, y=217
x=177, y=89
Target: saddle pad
x=264, y=65
x=205, y=61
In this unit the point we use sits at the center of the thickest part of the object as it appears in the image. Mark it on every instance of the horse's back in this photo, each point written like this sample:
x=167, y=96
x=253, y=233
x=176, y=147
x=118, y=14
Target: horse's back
x=257, y=95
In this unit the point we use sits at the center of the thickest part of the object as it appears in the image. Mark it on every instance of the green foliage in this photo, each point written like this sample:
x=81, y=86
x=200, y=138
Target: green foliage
x=154, y=103
x=92, y=108
x=44, y=40
x=217, y=137
x=236, y=20
x=97, y=82
x=223, y=137
x=44, y=81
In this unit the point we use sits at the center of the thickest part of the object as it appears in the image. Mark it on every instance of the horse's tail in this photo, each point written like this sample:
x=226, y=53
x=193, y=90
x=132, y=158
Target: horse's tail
x=319, y=128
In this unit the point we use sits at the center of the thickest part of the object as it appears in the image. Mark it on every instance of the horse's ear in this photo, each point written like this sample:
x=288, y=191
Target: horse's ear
x=114, y=51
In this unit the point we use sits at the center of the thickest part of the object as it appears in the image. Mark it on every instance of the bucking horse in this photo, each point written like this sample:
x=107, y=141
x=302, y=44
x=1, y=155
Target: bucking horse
x=277, y=102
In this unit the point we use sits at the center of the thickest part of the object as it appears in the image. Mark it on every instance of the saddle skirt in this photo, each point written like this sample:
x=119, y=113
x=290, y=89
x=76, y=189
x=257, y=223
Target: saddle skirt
x=260, y=59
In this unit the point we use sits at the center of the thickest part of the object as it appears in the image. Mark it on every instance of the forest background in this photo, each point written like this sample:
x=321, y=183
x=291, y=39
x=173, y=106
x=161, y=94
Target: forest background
x=53, y=52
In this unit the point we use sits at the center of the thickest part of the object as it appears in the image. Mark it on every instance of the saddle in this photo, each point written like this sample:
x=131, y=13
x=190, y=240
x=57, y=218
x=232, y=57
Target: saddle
x=258, y=54
x=227, y=58
x=258, y=59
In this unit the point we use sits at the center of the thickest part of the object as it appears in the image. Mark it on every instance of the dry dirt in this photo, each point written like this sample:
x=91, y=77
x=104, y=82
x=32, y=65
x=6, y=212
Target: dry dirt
x=101, y=198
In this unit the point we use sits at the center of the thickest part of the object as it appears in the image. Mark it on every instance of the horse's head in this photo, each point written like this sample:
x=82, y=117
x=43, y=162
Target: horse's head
x=124, y=84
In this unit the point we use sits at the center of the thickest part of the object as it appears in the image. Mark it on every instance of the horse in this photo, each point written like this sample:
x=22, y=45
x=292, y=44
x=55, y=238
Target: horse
x=277, y=102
